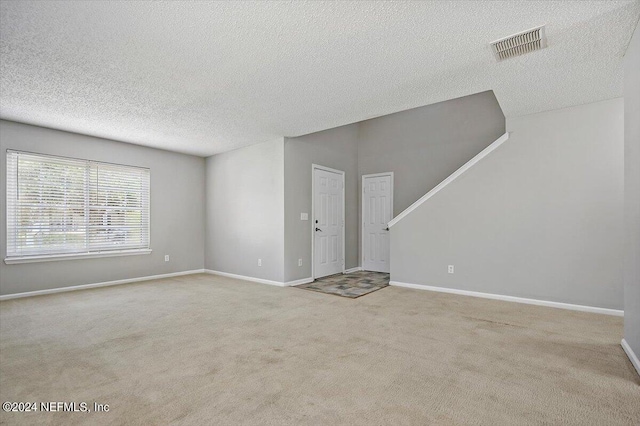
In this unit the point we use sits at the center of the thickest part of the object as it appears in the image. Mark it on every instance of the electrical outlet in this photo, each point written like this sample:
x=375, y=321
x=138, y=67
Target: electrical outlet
x=304, y=216
x=299, y=262
x=450, y=269
x=166, y=257
x=259, y=262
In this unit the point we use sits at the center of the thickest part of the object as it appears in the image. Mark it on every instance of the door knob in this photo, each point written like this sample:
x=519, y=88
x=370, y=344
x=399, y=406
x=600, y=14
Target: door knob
x=318, y=229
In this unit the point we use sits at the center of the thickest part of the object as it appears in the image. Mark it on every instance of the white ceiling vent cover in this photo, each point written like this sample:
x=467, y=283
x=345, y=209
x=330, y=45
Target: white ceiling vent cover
x=519, y=44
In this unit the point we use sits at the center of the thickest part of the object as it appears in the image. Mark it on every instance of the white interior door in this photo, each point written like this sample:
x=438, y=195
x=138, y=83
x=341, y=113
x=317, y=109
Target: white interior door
x=377, y=211
x=328, y=222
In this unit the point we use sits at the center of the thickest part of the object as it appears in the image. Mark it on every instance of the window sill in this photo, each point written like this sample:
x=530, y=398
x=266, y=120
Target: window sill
x=73, y=256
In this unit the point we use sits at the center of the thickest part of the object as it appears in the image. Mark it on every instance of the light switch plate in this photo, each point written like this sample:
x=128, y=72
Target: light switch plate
x=304, y=216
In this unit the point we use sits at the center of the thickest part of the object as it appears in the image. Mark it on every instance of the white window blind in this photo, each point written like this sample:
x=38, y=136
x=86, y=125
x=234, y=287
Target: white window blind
x=60, y=206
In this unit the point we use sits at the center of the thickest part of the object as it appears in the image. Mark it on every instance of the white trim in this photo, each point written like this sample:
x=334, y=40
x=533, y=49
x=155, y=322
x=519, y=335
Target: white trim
x=362, y=211
x=451, y=178
x=560, y=305
x=96, y=285
x=326, y=169
x=313, y=213
x=244, y=277
x=632, y=356
x=351, y=270
x=73, y=256
x=259, y=280
x=299, y=282
x=377, y=174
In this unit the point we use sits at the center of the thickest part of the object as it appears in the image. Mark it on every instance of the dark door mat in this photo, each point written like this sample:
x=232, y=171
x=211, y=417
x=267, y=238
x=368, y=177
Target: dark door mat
x=351, y=285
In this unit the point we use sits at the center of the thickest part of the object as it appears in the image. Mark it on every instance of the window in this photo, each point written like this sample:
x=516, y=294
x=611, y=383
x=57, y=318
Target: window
x=65, y=207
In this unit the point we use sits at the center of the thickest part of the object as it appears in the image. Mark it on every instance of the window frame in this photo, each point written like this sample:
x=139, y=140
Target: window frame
x=86, y=253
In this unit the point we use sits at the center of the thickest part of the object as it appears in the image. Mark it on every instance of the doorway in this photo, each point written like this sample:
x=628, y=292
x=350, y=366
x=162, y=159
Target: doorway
x=377, y=211
x=327, y=222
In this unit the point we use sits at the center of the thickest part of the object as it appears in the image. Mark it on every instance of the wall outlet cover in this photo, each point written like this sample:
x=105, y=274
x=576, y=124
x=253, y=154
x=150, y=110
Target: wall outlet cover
x=166, y=257
x=304, y=216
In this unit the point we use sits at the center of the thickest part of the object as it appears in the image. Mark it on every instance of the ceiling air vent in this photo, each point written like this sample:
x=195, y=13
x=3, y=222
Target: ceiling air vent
x=519, y=44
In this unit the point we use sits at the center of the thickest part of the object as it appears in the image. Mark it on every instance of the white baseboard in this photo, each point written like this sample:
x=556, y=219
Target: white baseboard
x=260, y=280
x=96, y=285
x=298, y=282
x=350, y=270
x=632, y=356
x=245, y=278
x=560, y=305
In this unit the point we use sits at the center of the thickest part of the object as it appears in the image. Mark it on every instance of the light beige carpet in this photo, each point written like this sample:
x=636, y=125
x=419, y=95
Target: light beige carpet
x=210, y=350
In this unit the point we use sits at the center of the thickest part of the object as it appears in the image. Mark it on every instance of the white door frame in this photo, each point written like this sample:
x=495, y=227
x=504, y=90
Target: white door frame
x=362, y=210
x=313, y=215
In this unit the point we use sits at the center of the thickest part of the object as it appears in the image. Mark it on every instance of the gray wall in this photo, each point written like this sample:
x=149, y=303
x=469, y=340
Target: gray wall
x=632, y=193
x=540, y=217
x=336, y=148
x=177, y=211
x=245, y=211
x=422, y=146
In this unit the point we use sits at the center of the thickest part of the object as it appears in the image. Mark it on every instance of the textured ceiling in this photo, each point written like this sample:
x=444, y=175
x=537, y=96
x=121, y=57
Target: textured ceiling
x=206, y=77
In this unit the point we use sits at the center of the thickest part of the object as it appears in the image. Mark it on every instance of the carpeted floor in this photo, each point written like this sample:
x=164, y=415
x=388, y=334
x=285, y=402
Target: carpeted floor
x=351, y=285
x=203, y=349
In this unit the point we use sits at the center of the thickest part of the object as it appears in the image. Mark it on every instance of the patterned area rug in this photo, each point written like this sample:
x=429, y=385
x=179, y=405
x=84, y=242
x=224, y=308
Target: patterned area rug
x=351, y=285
